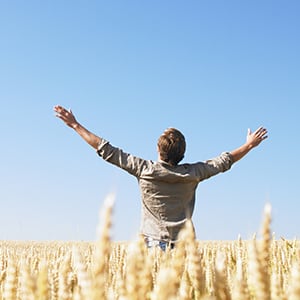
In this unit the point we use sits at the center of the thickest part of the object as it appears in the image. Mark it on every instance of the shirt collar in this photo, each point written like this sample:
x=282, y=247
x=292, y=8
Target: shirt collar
x=164, y=163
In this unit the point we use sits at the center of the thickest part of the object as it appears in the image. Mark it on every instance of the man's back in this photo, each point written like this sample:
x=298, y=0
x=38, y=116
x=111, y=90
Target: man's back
x=167, y=192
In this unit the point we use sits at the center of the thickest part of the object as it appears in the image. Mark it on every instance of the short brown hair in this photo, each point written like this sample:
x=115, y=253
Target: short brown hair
x=171, y=146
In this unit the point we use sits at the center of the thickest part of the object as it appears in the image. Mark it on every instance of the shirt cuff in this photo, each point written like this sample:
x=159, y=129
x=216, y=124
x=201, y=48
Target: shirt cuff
x=101, y=144
x=228, y=159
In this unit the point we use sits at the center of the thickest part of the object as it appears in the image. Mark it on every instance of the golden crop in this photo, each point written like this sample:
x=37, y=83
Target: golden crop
x=260, y=269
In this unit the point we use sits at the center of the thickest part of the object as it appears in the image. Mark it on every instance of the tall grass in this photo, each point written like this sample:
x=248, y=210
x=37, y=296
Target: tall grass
x=262, y=268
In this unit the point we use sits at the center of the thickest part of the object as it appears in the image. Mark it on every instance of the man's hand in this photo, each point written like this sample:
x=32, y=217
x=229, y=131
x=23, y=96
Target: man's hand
x=253, y=140
x=66, y=115
x=256, y=137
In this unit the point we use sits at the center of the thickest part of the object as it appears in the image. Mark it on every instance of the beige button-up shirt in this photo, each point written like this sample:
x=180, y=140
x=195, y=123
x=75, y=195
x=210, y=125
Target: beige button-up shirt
x=167, y=192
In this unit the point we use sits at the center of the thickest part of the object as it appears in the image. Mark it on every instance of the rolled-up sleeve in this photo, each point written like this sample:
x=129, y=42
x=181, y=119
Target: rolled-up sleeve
x=117, y=157
x=214, y=166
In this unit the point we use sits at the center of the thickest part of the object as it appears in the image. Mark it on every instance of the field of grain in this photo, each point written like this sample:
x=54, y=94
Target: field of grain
x=260, y=268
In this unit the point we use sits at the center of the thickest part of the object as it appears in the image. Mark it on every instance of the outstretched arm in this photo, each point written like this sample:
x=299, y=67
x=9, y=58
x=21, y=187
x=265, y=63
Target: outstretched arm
x=253, y=140
x=70, y=120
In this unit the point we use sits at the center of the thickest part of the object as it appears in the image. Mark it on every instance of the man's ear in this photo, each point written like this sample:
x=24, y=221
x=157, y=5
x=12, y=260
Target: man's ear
x=158, y=153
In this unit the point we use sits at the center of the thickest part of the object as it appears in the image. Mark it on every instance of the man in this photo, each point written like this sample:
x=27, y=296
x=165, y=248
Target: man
x=167, y=187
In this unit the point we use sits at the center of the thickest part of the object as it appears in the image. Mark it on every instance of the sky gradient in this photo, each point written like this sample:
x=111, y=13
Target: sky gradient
x=128, y=70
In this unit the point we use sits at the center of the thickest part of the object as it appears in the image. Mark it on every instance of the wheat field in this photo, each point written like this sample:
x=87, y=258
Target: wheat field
x=259, y=268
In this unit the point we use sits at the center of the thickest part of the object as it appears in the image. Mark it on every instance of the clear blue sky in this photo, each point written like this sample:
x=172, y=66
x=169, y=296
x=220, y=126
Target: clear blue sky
x=128, y=70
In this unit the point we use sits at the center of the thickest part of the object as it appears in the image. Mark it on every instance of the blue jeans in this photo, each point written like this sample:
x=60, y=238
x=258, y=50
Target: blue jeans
x=163, y=245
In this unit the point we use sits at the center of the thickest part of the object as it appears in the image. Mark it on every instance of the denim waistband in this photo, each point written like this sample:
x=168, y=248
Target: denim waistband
x=150, y=242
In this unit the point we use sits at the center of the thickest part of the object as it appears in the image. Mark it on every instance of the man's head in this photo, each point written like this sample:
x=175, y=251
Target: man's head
x=171, y=146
